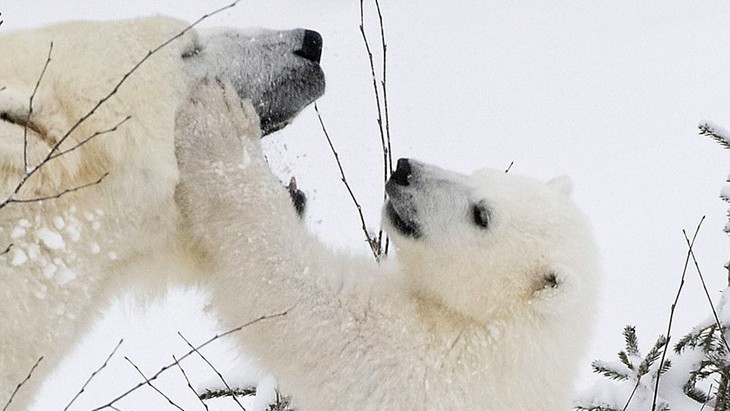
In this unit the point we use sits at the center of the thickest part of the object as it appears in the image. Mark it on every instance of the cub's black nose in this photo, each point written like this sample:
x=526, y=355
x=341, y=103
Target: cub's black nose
x=311, y=46
x=402, y=172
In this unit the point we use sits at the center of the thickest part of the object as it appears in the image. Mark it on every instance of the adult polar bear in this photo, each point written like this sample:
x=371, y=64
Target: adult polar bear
x=487, y=308
x=70, y=253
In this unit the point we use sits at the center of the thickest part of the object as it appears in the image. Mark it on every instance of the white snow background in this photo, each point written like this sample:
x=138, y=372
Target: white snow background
x=608, y=92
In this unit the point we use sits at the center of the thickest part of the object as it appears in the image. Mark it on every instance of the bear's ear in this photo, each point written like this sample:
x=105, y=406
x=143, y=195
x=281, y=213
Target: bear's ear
x=563, y=184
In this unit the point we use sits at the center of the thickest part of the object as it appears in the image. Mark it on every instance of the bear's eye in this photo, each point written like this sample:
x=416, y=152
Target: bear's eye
x=480, y=214
x=192, y=50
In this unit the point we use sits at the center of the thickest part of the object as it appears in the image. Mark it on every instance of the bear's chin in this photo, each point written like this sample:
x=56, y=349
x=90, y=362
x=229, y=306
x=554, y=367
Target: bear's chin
x=407, y=228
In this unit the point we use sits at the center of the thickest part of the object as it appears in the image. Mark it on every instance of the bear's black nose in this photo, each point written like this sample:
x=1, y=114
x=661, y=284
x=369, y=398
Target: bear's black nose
x=402, y=172
x=311, y=46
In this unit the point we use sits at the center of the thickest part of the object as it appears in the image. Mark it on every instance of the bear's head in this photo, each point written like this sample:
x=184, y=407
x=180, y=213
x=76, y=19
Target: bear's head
x=93, y=115
x=491, y=245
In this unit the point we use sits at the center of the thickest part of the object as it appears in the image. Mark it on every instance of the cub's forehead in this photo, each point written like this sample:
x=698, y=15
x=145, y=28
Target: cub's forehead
x=496, y=184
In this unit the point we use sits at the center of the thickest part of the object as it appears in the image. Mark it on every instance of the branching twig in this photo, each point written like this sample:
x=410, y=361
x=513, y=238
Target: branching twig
x=188, y=354
x=187, y=380
x=212, y=367
x=671, y=311
x=373, y=243
x=59, y=194
x=20, y=385
x=91, y=137
x=93, y=374
x=30, y=108
x=384, y=84
x=382, y=105
x=152, y=386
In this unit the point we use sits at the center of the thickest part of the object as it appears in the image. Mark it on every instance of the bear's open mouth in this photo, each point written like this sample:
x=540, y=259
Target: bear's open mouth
x=408, y=228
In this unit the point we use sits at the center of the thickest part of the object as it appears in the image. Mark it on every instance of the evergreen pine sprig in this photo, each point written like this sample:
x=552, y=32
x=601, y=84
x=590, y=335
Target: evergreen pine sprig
x=632, y=366
x=716, y=133
x=714, y=364
x=722, y=136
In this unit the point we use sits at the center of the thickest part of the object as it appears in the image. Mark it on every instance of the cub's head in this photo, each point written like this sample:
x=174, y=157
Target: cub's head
x=491, y=245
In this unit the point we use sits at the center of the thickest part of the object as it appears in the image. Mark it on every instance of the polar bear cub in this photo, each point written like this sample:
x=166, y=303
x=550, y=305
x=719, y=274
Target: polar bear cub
x=70, y=253
x=487, y=307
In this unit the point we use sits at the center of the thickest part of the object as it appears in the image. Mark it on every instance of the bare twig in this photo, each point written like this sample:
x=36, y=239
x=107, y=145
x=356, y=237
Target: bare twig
x=382, y=105
x=373, y=243
x=212, y=367
x=7, y=249
x=509, y=167
x=671, y=312
x=384, y=85
x=94, y=374
x=188, y=354
x=20, y=385
x=152, y=386
x=187, y=380
x=59, y=194
x=30, y=108
x=91, y=137
x=631, y=397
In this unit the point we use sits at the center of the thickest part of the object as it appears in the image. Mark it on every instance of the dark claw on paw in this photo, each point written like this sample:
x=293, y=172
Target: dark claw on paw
x=298, y=198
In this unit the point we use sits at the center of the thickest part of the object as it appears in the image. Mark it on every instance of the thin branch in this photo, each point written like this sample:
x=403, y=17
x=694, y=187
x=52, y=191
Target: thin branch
x=383, y=126
x=631, y=397
x=212, y=367
x=91, y=137
x=374, y=246
x=509, y=167
x=187, y=380
x=30, y=109
x=672, y=309
x=94, y=374
x=152, y=386
x=384, y=84
x=7, y=249
x=188, y=354
x=60, y=194
x=20, y=385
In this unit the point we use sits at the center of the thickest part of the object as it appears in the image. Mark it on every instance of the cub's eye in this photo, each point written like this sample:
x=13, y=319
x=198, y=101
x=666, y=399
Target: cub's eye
x=481, y=214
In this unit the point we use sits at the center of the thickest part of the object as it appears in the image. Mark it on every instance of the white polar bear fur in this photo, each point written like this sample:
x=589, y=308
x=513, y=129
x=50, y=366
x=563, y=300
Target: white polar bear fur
x=466, y=319
x=103, y=227
x=70, y=254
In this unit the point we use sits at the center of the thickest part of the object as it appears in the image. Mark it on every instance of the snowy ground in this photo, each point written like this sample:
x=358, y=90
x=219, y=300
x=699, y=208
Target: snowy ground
x=607, y=92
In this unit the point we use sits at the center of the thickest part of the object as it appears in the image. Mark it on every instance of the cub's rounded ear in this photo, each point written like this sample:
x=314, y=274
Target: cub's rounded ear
x=563, y=184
